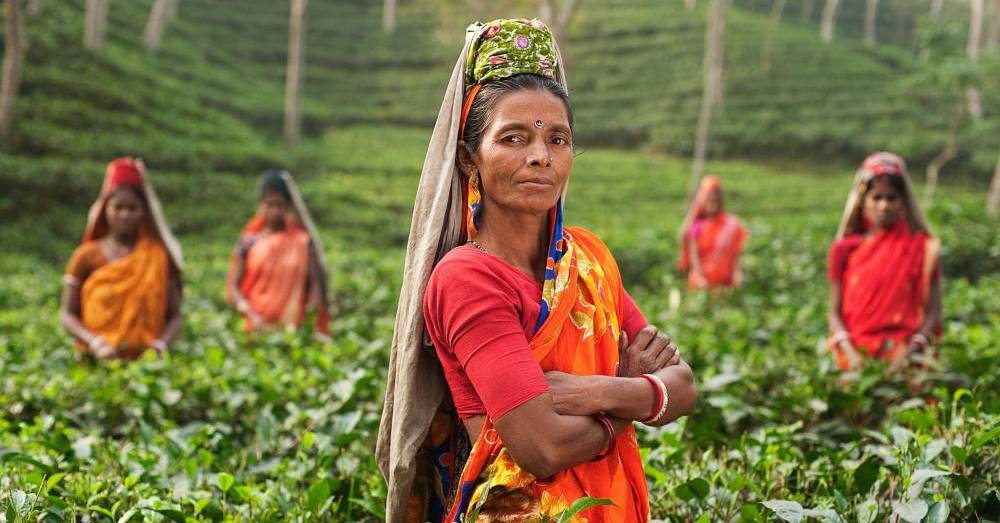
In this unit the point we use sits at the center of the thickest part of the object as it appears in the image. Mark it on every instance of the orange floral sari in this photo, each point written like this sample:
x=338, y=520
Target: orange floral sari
x=579, y=336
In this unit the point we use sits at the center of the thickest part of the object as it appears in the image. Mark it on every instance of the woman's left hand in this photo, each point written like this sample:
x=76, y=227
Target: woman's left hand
x=572, y=395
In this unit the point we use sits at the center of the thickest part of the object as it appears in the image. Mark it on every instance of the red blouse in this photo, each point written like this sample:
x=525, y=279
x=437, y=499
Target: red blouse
x=480, y=313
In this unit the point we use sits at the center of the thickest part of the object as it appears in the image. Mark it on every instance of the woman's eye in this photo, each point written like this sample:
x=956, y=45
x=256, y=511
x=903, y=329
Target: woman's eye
x=560, y=140
x=512, y=138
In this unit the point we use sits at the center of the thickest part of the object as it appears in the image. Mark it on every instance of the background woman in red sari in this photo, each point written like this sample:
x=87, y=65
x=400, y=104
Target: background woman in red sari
x=277, y=271
x=884, y=271
x=711, y=240
x=122, y=291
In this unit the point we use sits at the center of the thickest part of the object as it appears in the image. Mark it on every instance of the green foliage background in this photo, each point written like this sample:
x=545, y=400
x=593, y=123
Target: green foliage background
x=282, y=428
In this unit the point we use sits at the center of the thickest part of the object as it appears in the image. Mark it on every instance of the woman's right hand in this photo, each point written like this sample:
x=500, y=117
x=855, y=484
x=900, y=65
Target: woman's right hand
x=649, y=352
x=851, y=354
x=255, y=321
x=101, y=349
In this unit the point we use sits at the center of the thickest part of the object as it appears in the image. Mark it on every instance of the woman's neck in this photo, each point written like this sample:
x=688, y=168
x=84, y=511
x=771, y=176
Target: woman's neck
x=124, y=239
x=521, y=240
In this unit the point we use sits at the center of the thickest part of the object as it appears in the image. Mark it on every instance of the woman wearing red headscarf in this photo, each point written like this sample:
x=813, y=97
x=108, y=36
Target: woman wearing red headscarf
x=884, y=271
x=122, y=291
x=711, y=240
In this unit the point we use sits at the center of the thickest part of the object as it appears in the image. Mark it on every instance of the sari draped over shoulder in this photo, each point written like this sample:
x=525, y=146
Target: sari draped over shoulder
x=125, y=301
x=276, y=274
x=886, y=282
x=579, y=336
x=719, y=240
x=886, y=275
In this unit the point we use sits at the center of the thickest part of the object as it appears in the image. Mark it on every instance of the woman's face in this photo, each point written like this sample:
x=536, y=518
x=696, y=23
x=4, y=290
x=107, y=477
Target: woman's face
x=124, y=212
x=883, y=203
x=713, y=203
x=274, y=207
x=526, y=153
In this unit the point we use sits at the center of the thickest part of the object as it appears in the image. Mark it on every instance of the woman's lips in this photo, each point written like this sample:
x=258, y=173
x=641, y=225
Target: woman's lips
x=536, y=183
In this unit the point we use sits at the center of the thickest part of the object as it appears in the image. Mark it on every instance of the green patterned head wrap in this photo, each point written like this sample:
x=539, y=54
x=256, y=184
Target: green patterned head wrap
x=504, y=48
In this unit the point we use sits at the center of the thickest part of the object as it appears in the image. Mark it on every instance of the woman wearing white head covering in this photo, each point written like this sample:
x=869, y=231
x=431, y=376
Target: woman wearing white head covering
x=527, y=318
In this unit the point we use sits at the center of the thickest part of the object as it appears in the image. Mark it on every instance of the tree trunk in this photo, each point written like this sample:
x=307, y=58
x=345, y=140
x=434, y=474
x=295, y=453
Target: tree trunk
x=95, y=24
x=993, y=36
x=13, y=58
x=689, y=4
x=777, y=8
x=157, y=20
x=716, y=17
x=34, y=8
x=293, y=74
x=830, y=11
x=388, y=16
x=972, y=94
x=718, y=62
x=993, y=200
x=807, y=10
x=936, y=7
x=946, y=154
x=172, y=9
x=871, y=20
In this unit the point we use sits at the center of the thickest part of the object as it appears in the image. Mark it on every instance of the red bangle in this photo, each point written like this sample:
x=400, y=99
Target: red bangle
x=610, y=429
x=659, y=398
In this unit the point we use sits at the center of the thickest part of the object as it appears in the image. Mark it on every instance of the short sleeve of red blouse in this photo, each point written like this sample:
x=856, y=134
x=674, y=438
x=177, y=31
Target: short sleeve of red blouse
x=840, y=251
x=86, y=259
x=474, y=317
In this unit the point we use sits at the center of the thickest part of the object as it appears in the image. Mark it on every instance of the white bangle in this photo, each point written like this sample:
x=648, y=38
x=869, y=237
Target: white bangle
x=243, y=305
x=95, y=342
x=921, y=339
x=840, y=336
x=159, y=345
x=666, y=400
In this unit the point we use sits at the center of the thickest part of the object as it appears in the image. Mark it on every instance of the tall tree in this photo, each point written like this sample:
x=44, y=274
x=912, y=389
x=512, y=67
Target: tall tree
x=714, y=27
x=389, y=16
x=871, y=21
x=95, y=24
x=972, y=94
x=777, y=7
x=689, y=4
x=830, y=11
x=159, y=14
x=993, y=35
x=172, y=9
x=945, y=156
x=293, y=73
x=935, y=17
x=13, y=58
x=34, y=8
x=993, y=200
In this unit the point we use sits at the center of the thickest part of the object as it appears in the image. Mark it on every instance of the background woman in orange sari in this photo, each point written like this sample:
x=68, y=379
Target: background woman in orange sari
x=884, y=271
x=711, y=240
x=277, y=270
x=529, y=321
x=122, y=291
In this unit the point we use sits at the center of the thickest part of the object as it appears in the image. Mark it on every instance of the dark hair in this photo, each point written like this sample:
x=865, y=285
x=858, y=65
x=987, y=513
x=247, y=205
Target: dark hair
x=272, y=181
x=132, y=189
x=895, y=181
x=490, y=93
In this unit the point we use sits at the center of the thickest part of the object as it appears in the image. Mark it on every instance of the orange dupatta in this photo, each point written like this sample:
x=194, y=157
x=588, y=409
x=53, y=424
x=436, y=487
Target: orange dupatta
x=580, y=336
x=276, y=273
x=125, y=301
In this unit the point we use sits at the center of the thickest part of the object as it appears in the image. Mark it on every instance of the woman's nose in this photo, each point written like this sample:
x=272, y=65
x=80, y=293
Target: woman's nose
x=538, y=155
